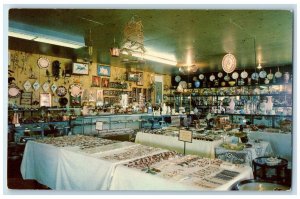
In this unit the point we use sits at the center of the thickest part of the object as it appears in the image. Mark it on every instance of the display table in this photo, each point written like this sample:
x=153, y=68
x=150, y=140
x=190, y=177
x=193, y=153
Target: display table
x=67, y=168
x=197, y=147
x=185, y=176
x=106, y=168
x=281, y=142
x=246, y=155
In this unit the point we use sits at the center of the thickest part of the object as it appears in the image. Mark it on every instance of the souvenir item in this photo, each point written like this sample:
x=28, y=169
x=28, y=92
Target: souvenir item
x=286, y=77
x=197, y=84
x=194, y=79
x=235, y=75
x=270, y=75
x=36, y=85
x=229, y=63
x=254, y=76
x=220, y=74
x=63, y=101
x=61, y=91
x=13, y=91
x=244, y=74
x=75, y=90
x=267, y=81
x=53, y=87
x=46, y=86
x=212, y=77
x=278, y=74
x=43, y=62
x=27, y=85
x=183, y=84
x=269, y=104
x=177, y=78
x=201, y=76
x=227, y=78
x=262, y=74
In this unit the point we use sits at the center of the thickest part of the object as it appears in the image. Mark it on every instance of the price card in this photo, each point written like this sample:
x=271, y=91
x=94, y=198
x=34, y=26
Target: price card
x=99, y=126
x=185, y=135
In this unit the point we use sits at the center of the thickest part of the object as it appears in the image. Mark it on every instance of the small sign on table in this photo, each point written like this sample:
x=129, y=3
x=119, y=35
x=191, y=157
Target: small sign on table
x=185, y=136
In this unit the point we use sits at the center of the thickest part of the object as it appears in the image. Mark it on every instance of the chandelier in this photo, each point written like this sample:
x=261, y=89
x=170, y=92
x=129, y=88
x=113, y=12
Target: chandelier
x=133, y=37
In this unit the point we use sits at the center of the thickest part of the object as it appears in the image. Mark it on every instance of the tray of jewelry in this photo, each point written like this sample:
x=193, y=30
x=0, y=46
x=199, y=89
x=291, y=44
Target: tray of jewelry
x=147, y=161
x=80, y=141
x=129, y=153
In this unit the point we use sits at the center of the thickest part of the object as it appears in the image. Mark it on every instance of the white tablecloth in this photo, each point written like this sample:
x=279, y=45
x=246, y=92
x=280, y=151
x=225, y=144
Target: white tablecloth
x=198, y=147
x=132, y=179
x=69, y=169
x=281, y=143
x=66, y=168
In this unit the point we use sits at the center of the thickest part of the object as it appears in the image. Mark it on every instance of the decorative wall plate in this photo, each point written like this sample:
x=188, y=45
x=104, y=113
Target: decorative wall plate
x=61, y=91
x=201, y=76
x=53, y=87
x=27, y=85
x=46, y=86
x=177, y=78
x=13, y=91
x=220, y=74
x=254, y=76
x=183, y=84
x=227, y=78
x=75, y=90
x=235, y=75
x=262, y=74
x=43, y=62
x=36, y=85
x=244, y=74
x=229, y=63
x=194, y=79
x=212, y=77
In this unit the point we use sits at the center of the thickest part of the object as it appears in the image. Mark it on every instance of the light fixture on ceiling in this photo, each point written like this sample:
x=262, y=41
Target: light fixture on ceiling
x=114, y=51
x=259, y=66
x=229, y=63
x=33, y=33
x=188, y=67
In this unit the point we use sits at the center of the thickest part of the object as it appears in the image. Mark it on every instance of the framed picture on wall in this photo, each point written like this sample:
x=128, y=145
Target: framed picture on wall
x=103, y=70
x=45, y=99
x=140, y=81
x=80, y=69
x=96, y=81
x=105, y=82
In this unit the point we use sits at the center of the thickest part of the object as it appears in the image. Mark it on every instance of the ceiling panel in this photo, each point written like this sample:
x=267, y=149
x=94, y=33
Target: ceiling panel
x=206, y=34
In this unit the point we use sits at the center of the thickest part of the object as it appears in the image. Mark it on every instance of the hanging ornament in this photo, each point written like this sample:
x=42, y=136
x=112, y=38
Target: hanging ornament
x=27, y=85
x=36, y=85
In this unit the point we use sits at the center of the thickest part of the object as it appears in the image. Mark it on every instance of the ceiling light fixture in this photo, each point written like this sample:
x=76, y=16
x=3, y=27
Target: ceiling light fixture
x=28, y=32
x=259, y=66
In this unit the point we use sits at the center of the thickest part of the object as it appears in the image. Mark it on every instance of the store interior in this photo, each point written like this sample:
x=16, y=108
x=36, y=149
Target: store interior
x=158, y=99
